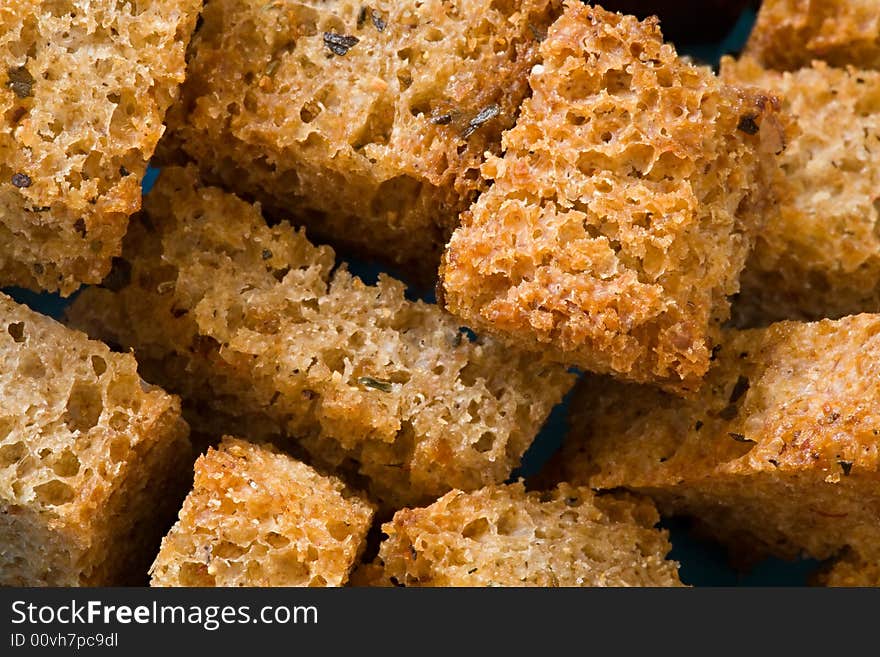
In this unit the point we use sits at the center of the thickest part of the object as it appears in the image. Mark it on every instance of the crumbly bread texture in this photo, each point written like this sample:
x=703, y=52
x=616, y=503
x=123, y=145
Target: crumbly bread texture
x=91, y=458
x=260, y=335
x=84, y=86
x=851, y=570
x=789, y=34
x=503, y=536
x=366, y=122
x=623, y=209
x=257, y=517
x=819, y=253
x=778, y=454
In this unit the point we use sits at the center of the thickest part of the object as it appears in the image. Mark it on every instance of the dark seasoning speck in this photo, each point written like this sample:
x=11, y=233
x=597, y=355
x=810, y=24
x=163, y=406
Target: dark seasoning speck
x=340, y=44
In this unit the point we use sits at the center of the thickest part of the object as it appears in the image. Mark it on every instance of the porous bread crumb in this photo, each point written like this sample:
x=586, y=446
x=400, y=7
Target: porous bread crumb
x=777, y=454
x=260, y=334
x=84, y=86
x=819, y=253
x=503, y=536
x=366, y=122
x=789, y=34
x=91, y=458
x=851, y=570
x=256, y=517
x=623, y=209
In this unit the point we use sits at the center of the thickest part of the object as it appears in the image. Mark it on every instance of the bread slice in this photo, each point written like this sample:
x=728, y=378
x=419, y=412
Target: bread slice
x=503, y=536
x=819, y=254
x=778, y=454
x=256, y=517
x=84, y=88
x=91, y=458
x=261, y=335
x=789, y=34
x=623, y=209
x=366, y=122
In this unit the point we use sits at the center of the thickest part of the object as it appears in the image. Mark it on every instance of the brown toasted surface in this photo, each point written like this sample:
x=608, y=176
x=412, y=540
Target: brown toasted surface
x=91, y=458
x=365, y=122
x=777, y=454
x=819, y=253
x=851, y=570
x=623, y=209
x=257, y=517
x=789, y=34
x=257, y=331
x=84, y=86
x=504, y=536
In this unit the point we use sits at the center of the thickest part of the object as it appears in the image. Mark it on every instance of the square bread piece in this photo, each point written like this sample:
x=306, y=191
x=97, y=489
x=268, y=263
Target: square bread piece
x=366, y=122
x=623, y=209
x=819, y=254
x=84, y=86
x=778, y=454
x=789, y=34
x=91, y=458
x=505, y=536
x=262, y=335
x=257, y=517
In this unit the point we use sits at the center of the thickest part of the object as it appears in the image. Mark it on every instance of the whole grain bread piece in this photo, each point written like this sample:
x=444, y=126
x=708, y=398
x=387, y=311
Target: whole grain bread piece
x=819, y=253
x=504, y=536
x=257, y=517
x=84, y=86
x=366, y=122
x=623, y=209
x=777, y=454
x=789, y=34
x=261, y=335
x=851, y=570
x=93, y=461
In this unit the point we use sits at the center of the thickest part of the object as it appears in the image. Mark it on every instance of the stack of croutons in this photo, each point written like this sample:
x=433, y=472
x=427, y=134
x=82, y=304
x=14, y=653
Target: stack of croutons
x=696, y=254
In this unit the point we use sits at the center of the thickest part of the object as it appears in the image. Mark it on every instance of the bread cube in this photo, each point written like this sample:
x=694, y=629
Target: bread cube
x=84, y=87
x=257, y=517
x=262, y=335
x=789, y=34
x=367, y=123
x=623, y=209
x=503, y=536
x=777, y=454
x=91, y=458
x=819, y=253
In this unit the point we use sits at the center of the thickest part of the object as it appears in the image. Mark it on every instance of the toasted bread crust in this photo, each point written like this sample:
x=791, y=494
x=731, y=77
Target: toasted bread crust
x=257, y=517
x=623, y=209
x=83, y=95
x=504, y=536
x=777, y=454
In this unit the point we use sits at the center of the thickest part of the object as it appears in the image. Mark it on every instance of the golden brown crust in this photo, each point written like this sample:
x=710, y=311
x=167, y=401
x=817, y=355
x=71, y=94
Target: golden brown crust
x=82, y=440
x=83, y=93
x=777, y=454
x=819, y=253
x=789, y=34
x=374, y=140
x=504, y=536
x=257, y=331
x=256, y=517
x=623, y=209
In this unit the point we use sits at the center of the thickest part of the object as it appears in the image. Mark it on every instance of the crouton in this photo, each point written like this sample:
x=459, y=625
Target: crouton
x=789, y=34
x=819, y=254
x=623, y=209
x=91, y=458
x=503, y=536
x=256, y=517
x=84, y=87
x=262, y=336
x=777, y=454
x=365, y=122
